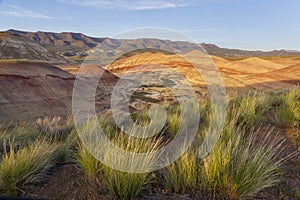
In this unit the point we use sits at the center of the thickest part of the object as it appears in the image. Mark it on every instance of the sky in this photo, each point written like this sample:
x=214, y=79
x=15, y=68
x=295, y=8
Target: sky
x=243, y=24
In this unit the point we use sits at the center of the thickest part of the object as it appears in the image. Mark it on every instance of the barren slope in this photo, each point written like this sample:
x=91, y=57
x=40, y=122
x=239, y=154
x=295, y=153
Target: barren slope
x=29, y=90
x=237, y=75
x=15, y=47
x=251, y=65
x=284, y=77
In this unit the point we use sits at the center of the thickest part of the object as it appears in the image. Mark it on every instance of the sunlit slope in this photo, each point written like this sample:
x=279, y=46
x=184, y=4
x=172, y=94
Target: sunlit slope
x=235, y=74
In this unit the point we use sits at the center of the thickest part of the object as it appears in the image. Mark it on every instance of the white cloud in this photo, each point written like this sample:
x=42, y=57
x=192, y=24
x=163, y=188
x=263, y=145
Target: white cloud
x=11, y=10
x=130, y=4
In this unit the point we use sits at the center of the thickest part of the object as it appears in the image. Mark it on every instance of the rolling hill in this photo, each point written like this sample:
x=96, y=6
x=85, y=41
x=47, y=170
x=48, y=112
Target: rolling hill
x=30, y=90
x=15, y=46
x=36, y=87
x=250, y=66
x=78, y=45
x=241, y=75
x=213, y=49
x=33, y=89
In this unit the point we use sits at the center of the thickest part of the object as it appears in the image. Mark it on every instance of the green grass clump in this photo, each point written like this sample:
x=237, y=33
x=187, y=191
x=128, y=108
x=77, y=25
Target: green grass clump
x=121, y=184
x=182, y=175
x=90, y=165
x=124, y=185
x=64, y=150
x=17, y=168
x=240, y=166
x=127, y=185
x=288, y=113
x=251, y=109
x=185, y=116
x=174, y=121
x=285, y=116
x=21, y=135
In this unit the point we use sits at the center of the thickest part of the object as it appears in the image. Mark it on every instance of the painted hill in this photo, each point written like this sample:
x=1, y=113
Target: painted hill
x=250, y=66
x=287, y=75
x=31, y=89
x=250, y=73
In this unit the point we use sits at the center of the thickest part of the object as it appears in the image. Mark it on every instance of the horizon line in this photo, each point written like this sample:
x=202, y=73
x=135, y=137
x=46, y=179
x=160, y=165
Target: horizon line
x=110, y=37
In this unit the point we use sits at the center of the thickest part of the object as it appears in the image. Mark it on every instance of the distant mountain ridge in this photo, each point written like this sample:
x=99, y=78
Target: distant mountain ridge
x=225, y=52
x=16, y=46
x=64, y=39
x=77, y=43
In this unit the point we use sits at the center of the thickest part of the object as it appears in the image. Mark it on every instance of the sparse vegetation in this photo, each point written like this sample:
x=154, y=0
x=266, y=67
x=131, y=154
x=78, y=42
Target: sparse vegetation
x=21, y=135
x=287, y=114
x=174, y=121
x=246, y=160
x=21, y=166
x=123, y=185
x=182, y=176
x=88, y=163
x=240, y=166
x=54, y=127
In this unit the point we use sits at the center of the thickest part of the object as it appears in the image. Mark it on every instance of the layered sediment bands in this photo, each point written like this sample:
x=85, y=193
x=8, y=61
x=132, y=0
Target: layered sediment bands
x=250, y=73
x=30, y=90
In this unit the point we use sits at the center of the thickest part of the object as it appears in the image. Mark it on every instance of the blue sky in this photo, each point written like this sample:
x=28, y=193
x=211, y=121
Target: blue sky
x=244, y=24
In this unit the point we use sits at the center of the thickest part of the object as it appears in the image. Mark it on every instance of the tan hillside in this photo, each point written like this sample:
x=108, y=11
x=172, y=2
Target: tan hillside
x=288, y=75
x=251, y=65
x=284, y=60
x=219, y=61
x=235, y=74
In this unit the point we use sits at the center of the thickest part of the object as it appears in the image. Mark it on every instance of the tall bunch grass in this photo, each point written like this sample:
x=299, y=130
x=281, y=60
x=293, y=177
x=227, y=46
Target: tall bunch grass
x=125, y=184
x=90, y=165
x=182, y=175
x=55, y=127
x=20, y=136
x=18, y=168
x=250, y=108
x=241, y=165
x=287, y=114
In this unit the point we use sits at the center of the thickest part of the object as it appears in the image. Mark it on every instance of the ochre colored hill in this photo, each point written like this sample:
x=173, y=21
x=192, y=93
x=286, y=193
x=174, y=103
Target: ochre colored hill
x=284, y=60
x=235, y=74
x=251, y=65
x=284, y=77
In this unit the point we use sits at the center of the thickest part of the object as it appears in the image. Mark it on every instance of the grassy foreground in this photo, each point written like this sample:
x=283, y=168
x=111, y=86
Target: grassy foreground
x=248, y=160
